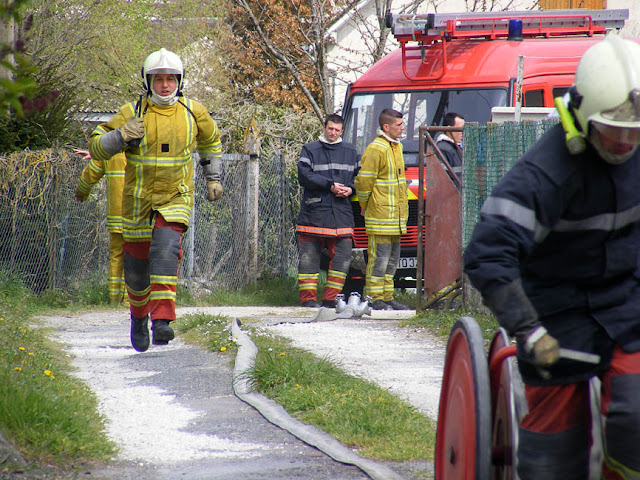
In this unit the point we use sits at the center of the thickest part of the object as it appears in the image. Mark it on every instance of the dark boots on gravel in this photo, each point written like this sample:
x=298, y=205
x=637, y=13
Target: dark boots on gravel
x=140, y=333
x=397, y=306
x=162, y=332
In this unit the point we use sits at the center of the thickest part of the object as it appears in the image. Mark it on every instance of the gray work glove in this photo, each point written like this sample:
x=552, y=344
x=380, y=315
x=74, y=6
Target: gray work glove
x=543, y=349
x=517, y=315
x=214, y=190
x=132, y=130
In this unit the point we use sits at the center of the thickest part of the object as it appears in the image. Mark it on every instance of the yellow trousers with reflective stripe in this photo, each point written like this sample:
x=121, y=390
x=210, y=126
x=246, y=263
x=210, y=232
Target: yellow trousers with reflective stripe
x=384, y=252
x=115, y=281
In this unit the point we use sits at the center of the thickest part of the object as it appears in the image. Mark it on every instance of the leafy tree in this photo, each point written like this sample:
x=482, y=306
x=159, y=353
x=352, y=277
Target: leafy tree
x=101, y=45
x=97, y=47
x=12, y=88
x=281, y=52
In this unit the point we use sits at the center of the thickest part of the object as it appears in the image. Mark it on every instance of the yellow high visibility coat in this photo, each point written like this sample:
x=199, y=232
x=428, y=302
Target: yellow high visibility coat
x=381, y=187
x=159, y=172
x=113, y=172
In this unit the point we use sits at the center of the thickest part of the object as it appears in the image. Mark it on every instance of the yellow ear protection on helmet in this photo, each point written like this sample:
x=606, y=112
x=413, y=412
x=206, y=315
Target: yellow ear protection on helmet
x=575, y=141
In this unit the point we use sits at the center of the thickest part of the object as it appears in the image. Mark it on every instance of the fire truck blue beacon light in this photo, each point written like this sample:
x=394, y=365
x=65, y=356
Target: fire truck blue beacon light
x=515, y=29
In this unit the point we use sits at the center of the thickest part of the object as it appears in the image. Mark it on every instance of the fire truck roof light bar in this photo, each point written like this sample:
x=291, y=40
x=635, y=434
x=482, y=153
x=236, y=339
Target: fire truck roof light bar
x=429, y=27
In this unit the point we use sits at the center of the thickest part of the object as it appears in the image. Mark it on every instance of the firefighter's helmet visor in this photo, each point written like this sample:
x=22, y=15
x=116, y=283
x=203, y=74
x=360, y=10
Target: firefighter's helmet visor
x=617, y=140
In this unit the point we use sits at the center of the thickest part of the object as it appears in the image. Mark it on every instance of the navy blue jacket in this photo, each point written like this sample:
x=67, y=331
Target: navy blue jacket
x=320, y=166
x=569, y=227
x=452, y=153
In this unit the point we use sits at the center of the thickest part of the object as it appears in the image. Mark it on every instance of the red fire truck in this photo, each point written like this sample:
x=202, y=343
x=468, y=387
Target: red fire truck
x=466, y=63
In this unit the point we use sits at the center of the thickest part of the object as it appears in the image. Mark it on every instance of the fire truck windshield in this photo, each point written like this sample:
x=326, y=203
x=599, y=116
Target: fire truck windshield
x=420, y=107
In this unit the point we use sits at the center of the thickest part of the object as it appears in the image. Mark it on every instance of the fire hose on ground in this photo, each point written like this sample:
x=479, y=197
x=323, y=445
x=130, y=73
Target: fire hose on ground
x=276, y=414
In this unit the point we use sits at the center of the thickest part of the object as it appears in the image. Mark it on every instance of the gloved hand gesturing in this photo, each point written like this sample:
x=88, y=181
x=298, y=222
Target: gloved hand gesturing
x=133, y=129
x=543, y=348
x=214, y=189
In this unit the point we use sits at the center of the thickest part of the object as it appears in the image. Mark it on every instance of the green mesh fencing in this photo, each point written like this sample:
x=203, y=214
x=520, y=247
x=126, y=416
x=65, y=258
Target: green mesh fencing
x=489, y=151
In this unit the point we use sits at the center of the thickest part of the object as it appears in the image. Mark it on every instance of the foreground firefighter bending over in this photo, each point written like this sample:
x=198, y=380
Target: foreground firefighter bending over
x=157, y=135
x=555, y=257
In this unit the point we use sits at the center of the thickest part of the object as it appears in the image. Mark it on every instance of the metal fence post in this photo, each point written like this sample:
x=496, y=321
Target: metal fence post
x=252, y=148
x=281, y=213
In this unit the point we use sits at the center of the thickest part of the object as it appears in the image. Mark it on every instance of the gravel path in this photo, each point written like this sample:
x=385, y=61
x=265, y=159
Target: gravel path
x=407, y=362
x=173, y=413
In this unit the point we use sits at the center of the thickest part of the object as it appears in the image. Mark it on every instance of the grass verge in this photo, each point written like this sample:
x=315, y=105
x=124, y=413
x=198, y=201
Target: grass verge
x=440, y=322
x=48, y=414
x=315, y=390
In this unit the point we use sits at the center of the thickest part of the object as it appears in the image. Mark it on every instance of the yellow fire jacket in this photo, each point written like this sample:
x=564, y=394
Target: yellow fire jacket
x=113, y=172
x=159, y=172
x=382, y=188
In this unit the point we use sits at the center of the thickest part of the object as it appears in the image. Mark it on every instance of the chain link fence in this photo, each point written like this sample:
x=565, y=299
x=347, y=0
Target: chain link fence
x=489, y=151
x=52, y=242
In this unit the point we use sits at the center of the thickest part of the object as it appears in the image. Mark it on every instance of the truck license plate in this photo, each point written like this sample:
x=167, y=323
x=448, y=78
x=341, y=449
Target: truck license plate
x=407, y=262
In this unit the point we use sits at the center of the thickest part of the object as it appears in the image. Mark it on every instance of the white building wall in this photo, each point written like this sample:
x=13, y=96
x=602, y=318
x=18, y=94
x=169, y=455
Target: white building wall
x=351, y=53
x=632, y=27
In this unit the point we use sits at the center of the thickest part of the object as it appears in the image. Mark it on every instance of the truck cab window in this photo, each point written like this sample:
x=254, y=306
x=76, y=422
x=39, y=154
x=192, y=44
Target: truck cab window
x=420, y=107
x=534, y=98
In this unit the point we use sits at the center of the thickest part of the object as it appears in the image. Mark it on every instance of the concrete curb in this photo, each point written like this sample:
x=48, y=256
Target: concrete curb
x=277, y=415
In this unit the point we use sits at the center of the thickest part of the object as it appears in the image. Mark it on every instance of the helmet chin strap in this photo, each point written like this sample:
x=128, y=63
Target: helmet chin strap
x=606, y=155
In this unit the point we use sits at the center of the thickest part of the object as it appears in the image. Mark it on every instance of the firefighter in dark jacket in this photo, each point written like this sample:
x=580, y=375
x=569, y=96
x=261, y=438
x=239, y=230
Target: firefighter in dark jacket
x=450, y=143
x=326, y=170
x=556, y=258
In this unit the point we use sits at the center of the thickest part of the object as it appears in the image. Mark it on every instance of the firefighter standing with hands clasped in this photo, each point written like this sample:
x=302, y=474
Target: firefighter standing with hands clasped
x=556, y=257
x=157, y=135
x=326, y=170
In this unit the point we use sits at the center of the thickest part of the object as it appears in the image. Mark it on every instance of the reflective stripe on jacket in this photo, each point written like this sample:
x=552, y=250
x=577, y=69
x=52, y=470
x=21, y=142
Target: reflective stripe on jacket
x=382, y=188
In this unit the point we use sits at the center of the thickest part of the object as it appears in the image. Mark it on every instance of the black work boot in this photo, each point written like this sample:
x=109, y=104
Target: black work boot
x=310, y=304
x=397, y=306
x=140, y=333
x=381, y=305
x=162, y=332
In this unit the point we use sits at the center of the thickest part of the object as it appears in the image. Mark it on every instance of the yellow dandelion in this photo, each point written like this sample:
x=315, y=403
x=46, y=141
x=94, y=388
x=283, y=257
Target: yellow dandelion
x=21, y=349
x=282, y=354
x=222, y=349
x=298, y=385
x=18, y=369
x=1, y=319
x=48, y=373
x=31, y=354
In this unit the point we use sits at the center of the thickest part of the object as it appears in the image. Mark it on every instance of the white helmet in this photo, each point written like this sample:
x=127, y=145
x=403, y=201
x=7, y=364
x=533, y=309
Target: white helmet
x=606, y=95
x=162, y=61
